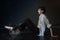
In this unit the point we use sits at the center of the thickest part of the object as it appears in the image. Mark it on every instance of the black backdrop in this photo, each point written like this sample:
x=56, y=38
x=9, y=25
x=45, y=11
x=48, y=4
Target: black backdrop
x=16, y=11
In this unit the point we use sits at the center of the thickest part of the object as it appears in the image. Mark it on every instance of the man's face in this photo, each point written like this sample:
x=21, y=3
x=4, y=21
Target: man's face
x=40, y=11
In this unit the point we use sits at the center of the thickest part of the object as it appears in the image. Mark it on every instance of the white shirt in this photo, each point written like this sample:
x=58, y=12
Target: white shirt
x=43, y=21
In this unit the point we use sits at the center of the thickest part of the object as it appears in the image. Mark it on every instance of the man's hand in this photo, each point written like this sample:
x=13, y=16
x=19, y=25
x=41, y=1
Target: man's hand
x=38, y=26
x=49, y=25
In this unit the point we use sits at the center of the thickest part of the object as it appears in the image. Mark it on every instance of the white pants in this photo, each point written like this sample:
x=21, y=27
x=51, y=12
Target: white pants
x=42, y=30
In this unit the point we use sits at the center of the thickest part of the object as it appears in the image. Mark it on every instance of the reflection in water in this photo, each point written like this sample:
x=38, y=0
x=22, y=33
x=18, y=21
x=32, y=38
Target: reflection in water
x=48, y=38
x=42, y=38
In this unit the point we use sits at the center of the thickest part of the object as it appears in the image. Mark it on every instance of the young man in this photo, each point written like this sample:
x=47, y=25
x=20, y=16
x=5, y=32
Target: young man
x=43, y=21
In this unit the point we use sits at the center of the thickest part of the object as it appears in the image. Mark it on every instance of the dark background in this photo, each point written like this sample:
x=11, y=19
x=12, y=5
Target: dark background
x=16, y=11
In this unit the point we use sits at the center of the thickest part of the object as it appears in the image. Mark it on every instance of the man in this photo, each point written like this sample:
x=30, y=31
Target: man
x=43, y=21
x=13, y=32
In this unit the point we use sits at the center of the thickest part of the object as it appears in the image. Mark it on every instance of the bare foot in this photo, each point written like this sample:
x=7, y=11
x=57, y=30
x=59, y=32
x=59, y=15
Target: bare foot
x=55, y=36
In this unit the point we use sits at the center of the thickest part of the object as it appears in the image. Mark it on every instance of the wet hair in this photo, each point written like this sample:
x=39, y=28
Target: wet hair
x=42, y=8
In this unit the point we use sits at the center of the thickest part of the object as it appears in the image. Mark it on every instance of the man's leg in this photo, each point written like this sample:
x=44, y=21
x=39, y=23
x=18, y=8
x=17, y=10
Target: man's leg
x=52, y=33
x=42, y=30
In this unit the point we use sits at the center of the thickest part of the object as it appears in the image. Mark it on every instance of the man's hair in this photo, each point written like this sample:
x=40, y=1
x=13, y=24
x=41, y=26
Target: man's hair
x=42, y=8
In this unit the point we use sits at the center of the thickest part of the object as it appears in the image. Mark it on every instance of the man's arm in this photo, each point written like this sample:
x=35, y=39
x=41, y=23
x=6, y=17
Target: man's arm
x=47, y=22
x=38, y=25
x=9, y=27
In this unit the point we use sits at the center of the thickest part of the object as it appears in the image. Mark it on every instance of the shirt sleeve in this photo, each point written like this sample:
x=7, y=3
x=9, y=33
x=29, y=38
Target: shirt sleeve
x=47, y=22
